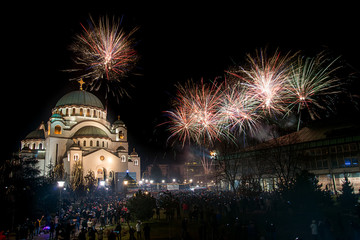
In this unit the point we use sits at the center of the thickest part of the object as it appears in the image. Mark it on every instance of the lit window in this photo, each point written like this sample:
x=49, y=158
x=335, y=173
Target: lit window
x=121, y=135
x=76, y=157
x=136, y=162
x=123, y=158
x=347, y=162
x=57, y=129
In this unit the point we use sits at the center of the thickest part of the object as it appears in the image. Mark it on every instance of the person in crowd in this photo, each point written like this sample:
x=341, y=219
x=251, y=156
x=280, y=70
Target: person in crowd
x=138, y=229
x=314, y=230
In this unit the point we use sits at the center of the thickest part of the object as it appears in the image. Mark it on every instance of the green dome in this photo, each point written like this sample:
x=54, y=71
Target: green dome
x=36, y=134
x=80, y=98
x=90, y=131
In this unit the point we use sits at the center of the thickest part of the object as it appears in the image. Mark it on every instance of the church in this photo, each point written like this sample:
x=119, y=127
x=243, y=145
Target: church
x=78, y=130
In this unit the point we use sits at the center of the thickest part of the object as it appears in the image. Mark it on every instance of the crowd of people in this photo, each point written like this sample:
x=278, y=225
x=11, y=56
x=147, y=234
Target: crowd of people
x=198, y=215
x=91, y=216
x=87, y=217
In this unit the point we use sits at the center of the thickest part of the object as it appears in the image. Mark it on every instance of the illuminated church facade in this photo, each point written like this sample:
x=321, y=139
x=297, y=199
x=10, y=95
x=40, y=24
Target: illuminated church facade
x=78, y=130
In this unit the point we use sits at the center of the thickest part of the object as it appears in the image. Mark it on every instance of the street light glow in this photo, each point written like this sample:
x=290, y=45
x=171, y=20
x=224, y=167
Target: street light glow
x=61, y=184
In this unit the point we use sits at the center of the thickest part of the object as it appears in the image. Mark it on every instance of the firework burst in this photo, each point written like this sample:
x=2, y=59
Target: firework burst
x=195, y=116
x=104, y=53
x=238, y=110
x=272, y=86
x=265, y=80
x=311, y=85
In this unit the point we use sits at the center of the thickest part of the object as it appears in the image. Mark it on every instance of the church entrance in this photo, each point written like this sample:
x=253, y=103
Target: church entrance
x=101, y=174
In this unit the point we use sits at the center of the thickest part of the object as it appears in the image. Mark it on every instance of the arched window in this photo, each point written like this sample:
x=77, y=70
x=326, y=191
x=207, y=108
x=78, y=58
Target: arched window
x=57, y=129
x=136, y=162
x=103, y=144
x=84, y=143
x=81, y=112
x=91, y=143
x=67, y=112
x=73, y=111
x=88, y=113
x=76, y=157
x=34, y=146
x=97, y=143
x=123, y=158
x=40, y=145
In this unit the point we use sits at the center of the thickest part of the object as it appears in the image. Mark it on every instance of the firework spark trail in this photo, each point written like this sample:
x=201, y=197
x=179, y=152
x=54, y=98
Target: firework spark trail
x=104, y=53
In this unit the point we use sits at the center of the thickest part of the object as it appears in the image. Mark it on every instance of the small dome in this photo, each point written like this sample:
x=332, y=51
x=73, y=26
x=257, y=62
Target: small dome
x=90, y=131
x=36, y=134
x=121, y=148
x=133, y=153
x=56, y=115
x=82, y=98
x=118, y=122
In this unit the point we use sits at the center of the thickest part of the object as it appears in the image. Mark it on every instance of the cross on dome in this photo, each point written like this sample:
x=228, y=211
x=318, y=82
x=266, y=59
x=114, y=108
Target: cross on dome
x=81, y=82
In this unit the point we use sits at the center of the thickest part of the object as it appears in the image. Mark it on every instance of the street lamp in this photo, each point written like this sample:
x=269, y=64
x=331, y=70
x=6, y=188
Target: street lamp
x=61, y=186
x=125, y=183
x=102, y=183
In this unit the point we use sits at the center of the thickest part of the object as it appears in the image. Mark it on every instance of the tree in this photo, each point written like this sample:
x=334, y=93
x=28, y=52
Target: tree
x=90, y=180
x=283, y=160
x=59, y=171
x=77, y=181
x=19, y=183
x=347, y=199
x=228, y=169
x=305, y=193
x=141, y=206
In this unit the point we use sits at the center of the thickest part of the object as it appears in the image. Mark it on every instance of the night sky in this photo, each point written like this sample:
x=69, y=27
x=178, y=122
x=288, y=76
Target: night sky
x=175, y=43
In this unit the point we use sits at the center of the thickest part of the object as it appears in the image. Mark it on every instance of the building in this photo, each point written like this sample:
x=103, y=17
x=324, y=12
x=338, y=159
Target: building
x=78, y=130
x=329, y=150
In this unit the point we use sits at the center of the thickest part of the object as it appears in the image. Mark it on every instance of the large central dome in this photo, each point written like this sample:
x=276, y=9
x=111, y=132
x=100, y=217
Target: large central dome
x=80, y=98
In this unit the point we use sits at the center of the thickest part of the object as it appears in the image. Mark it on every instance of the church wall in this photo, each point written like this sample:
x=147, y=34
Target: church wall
x=135, y=168
x=53, y=143
x=110, y=162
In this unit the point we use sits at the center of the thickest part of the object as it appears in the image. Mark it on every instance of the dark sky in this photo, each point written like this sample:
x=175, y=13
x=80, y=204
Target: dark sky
x=175, y=43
